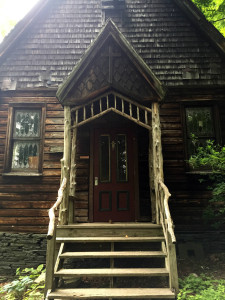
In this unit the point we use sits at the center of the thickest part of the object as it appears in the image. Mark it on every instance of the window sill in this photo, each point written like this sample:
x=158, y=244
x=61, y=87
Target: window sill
x=22, y=174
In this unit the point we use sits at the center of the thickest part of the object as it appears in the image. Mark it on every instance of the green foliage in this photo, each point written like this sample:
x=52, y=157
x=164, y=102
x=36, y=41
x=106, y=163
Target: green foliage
x=212, y=157
x=26, y=286
x=214, y=11
x=195, y=287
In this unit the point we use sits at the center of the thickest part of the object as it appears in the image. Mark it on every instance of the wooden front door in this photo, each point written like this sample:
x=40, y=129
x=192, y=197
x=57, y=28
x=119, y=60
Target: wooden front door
x=114, y=188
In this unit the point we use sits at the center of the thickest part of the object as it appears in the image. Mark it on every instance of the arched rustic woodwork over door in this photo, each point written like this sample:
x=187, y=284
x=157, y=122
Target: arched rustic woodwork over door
x=112, y=198
x=114, y=166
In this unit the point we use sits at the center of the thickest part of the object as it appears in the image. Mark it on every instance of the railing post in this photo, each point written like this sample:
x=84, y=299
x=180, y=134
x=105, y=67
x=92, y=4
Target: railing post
x=50, y=262
x=172, y=264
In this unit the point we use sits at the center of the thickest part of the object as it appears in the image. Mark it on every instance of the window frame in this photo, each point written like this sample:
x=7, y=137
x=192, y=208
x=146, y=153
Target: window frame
x=13, y=107
x=216, y=125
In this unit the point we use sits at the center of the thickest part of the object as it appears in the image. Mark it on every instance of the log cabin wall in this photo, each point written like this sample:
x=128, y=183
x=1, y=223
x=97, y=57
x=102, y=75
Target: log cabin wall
x=24, y=201
x=189, y=196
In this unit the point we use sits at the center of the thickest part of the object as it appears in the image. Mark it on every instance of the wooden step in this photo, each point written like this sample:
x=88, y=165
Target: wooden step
x=114, y=254
x=108, y=239
x=134, y=272
x=107, y=229
x=119, y=225
x=118, y=293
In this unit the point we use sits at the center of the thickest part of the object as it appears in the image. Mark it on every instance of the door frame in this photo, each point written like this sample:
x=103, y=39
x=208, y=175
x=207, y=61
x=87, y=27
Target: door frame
x=91, y=177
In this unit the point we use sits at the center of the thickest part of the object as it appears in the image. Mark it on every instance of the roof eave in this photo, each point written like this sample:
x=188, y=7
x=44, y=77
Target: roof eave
x=21, y=27
x=198, y=19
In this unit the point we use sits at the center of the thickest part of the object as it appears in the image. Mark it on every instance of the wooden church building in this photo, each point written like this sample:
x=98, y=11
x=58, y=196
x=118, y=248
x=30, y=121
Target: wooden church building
x=101, y=98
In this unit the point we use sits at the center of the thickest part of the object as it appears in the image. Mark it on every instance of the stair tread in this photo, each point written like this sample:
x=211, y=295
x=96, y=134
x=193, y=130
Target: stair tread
x=116, y=254
x=109, y=239
x=118, y=293
x=113, y=272
x=110, y=225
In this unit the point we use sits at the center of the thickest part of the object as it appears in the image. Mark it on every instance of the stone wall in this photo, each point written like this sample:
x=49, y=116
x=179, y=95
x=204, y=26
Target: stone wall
x=198, y=244
x=21, y=250
x=29, y=250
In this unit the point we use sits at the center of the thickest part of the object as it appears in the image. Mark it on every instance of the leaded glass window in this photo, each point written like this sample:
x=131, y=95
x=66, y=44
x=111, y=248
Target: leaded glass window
x=26, y=139
x=199, y=127
x=24, y=145
x=122, y=158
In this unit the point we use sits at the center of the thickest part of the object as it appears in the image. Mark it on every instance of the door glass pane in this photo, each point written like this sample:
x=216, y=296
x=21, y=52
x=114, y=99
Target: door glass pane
x=199, y=121
x=122, y=157
x=105, y=158
x=25, y=155
x=27, y=123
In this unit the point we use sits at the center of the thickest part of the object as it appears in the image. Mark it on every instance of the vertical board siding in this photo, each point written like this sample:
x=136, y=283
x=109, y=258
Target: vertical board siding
x=24, y=201
x=82, y=175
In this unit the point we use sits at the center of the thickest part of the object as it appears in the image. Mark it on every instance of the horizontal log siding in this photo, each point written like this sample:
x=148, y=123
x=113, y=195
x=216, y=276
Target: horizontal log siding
x=189, y=197
x=24, y=201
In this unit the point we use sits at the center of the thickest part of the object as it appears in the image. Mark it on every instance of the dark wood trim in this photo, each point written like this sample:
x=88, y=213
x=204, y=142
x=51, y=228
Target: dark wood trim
x=216, y=122
x=41, y=155
x=136, y=181
x=42, y=92
x=9, y=138
x=91, y=178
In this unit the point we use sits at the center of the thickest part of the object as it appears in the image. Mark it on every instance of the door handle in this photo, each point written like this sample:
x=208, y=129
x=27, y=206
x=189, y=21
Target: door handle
x=96, y=181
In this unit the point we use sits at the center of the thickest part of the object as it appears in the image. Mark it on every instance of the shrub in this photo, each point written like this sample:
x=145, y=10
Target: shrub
x=212, y=157
x=201, y=287
x=25, y=286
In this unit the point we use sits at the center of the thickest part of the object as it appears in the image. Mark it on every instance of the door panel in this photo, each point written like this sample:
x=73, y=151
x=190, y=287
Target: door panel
x=114, y=175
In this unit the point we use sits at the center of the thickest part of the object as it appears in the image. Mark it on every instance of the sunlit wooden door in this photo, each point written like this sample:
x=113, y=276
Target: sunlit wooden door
x=114, y=175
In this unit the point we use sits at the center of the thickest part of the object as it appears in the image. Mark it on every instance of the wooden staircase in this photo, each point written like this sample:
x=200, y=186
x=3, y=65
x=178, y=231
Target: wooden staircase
x=110, y=261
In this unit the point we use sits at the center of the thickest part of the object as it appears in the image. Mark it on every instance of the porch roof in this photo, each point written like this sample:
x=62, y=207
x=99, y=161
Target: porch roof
x=144, y=83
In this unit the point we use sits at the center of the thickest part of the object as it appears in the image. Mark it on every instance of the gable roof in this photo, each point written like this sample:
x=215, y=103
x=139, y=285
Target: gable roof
x=21, y=27
x=187, y=6
x=110, y=35
x=45, y=47
x=197, y=17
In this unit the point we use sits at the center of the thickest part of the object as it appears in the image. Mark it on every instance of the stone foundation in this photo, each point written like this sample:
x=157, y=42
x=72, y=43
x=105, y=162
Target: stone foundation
x=21, y=250
x=198, y=244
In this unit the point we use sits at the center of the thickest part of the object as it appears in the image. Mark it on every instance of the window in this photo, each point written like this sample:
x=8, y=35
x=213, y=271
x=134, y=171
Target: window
x=199, y=127
x=24, y=144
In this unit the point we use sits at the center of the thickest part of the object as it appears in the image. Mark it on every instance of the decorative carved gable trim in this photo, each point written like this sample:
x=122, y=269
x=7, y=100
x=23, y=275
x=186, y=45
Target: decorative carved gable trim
x=110, y=63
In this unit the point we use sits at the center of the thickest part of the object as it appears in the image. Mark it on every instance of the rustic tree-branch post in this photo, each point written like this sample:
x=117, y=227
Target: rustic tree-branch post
x=73, y=175
x=66, y=165
x=156, y=152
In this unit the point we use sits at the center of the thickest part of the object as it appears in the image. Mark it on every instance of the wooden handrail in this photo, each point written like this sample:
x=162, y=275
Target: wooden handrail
x=54, y=208
x=167, y=211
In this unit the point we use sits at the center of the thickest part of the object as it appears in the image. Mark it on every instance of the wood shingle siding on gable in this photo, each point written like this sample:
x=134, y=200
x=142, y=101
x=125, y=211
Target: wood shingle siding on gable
x=159, y=31
x=24, y=201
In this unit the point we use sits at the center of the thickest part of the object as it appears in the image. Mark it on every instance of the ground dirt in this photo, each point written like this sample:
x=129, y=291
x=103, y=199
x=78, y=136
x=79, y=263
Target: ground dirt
x=210, y=265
